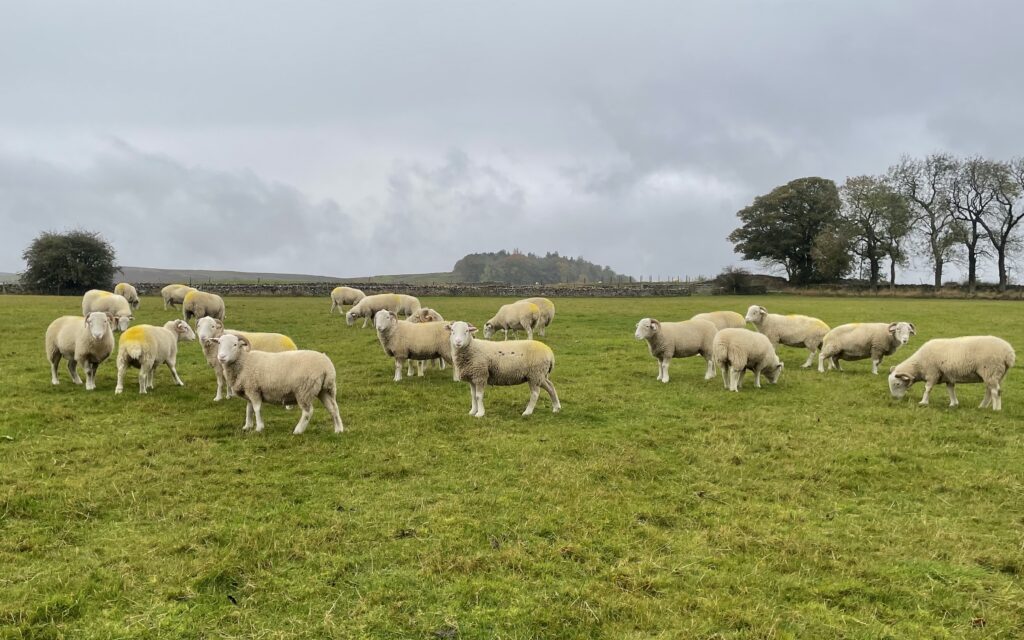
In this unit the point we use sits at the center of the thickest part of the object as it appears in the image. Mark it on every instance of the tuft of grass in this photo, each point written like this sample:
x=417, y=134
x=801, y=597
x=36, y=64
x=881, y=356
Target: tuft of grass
x=814, y=508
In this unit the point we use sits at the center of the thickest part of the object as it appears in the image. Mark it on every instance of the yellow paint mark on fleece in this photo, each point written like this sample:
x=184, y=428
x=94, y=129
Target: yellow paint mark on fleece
x=104, y=294
x=287, y=344
x=134, y=334
x=188, y=295
x=534, y=308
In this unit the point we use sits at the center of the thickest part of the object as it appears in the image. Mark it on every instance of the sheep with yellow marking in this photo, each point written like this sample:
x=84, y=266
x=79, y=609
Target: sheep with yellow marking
x=145, y=347
x=209, y=329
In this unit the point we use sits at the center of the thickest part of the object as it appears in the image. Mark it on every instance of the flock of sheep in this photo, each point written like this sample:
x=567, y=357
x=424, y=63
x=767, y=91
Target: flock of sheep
x=720, y=337
x=268, y=367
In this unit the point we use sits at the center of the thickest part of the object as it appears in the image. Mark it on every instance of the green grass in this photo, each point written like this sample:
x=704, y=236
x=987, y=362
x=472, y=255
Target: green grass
x=817, y=508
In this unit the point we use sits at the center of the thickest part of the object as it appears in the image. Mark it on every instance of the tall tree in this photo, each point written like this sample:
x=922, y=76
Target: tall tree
x=72, y=262
x=782, y=226
x=874, y=214
x=972, y=193
x=1006, y=212
x=926, y=184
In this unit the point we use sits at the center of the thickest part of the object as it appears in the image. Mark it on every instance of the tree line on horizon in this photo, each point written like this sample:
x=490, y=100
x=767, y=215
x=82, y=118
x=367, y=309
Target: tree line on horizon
x=528, y=268
x=940, y=209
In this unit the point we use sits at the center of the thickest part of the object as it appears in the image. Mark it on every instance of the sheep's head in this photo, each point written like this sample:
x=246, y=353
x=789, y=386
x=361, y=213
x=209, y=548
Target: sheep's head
x=461, y=334
x=902, y=331
x=230, y=347
x=208, y=327
x=488, y=329
x=384, y=320
x=121, y=322
x=183, y=331
x=755, y=313
x=350, y=317
x=774, y=372
x=98, y=323
x=899, y=383
x=646, y=328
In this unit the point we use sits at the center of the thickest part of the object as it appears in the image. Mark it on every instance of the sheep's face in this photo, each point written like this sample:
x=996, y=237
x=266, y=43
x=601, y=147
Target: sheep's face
x=902, y=332
x=646, y=328
x=384, y=320
x=230, y=347
x=461, y=334
x=488, y=330
x=98, y=324
x=773, y=373
x=350, y=317
x=755, y=314
x=121, y=322
x=183, y=331
x=899, y=384
x=207, y=328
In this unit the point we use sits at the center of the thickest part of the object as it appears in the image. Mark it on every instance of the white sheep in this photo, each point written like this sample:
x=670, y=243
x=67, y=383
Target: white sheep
x=145, y=346
x=406, y=341
x=739, y=350
x=984, y=359
x=547, y=312
x=368, y=307
x=667, y=340
x=792, y=330
x=109, y=303
x=722, y=319
x=128, y=292
x=201, y=304
x=860, y=340
x=480, y=363
x=174, y=294
x=516, y=315
x=425, y=314
x=341, y=296
x=209, y=328
x=82, y=341
x=289, y=377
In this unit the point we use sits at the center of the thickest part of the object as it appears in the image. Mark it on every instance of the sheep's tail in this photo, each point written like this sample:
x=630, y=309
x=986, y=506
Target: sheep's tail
x=131, y=350
x=720, y=352
x=1011, y=358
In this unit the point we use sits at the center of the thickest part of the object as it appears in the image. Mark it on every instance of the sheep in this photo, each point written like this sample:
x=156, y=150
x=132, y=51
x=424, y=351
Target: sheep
x=200, y=304
x=667, y=340
x=516, y=315
x=792, y=331
x=722, y=319
x=174, y=294
x=480, y=363
x=110, y=303
x=407, y=305
x=341, y=296
x=547, y=312
x=84, y=341
x=369, y=306
x=209, y=328
x=737, y=350
x=145, y=346
x=860, y=340
x=425, y=314
x=966, y=359
x=128, y=292
x=288, y=377
x=406, y=341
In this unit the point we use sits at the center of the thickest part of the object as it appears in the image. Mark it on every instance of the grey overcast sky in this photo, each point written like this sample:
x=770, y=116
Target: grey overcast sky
x=394, y=137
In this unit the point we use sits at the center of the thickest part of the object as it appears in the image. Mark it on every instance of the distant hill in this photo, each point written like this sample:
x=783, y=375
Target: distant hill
x=8, y=277
x=527, y=268
x=199, y=276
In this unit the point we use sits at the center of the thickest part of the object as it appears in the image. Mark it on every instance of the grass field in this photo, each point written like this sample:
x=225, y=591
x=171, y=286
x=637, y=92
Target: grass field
x=817, y=508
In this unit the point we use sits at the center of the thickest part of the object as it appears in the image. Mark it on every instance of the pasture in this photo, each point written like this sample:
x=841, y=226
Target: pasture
x=815, y=508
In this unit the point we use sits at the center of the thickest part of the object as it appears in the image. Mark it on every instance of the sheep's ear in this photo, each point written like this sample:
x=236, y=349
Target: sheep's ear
x=655, y=325
x=448, y=327
x=892, y=369
x=245, y=343
x=762, y=310
x=472, y=329
x=904, y=377
x=212, y=340
x=913, y=331
x=892, y=327
x=111, y=319
x=217, y=323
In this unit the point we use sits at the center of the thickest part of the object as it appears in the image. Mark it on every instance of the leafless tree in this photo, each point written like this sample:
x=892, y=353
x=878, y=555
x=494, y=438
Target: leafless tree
x=926, y=186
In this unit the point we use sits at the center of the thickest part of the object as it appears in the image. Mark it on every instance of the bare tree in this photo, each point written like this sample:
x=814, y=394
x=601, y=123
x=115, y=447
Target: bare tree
x=1006, y=211
x=972, y=193
x=873, y=213
x=926, y=185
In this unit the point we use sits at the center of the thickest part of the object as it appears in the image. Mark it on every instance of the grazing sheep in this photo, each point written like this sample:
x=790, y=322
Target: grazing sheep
x=547, y=312
x=860, y=340
x=174, y=294
x=109, y=303
x=145, y=346
x=341, y=296
x=82, y=341
x=200, y=304
x=737, y=350
x=289, y=377
x=369, y=306
x=405, y=341
x=128, y=292
x=792, y=331
x=209, y=328
x=407, y=305
x=668, y=340
x=481, y=363
x=722, y=319
x=426, y=314
x=516, y=315
x=984, y=359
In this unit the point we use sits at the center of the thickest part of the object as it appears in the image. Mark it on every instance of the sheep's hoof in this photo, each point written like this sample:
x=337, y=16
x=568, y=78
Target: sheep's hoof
x=664, y=380
x=923, y=403
x=527, y=413
x=217, y=398
x=118, y=391
x=556, y=409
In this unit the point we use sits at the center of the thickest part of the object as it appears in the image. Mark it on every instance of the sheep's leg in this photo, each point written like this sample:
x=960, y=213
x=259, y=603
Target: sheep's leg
x=734, y=379
x=307, y=413
x=951, y=388
x=540, y=328
x=334, y=305
x=534, y=394
x=556, y=406
x=986, y=400
x=149, y=367
x=726, y=375
x=54, y=359
x=220, y=383
x=472, y=396
x=90, y=375
x=365, y=320
x=927, y=391
x=121, y=367
x=876, y=359
x=529, y=332
x=757, y=378
x=171, y=364
x=997, y=397
x=408, y=368
x=144, y=373
x=663, y=365
x=455, y=372
x=331, y=404
x=248, y=416
x=810, y=358
x=399, y=362
x=421, y=366
x=835, y=363
x=709, y=373
x=73, y=370
x=480, y=399
x=257, y=405
x=821, y=362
